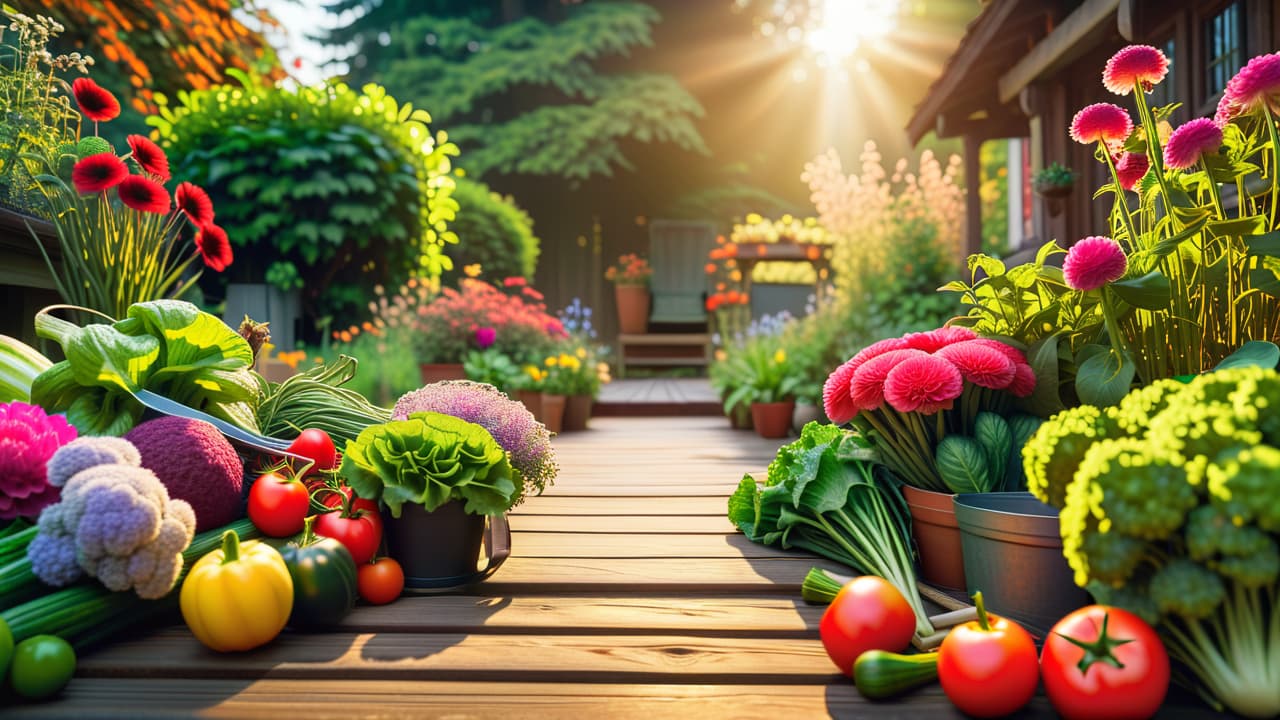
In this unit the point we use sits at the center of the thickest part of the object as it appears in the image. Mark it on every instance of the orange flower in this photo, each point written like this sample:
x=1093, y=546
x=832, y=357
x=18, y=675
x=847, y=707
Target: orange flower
x=719, y=239
x=710, y=268
x=731, y=250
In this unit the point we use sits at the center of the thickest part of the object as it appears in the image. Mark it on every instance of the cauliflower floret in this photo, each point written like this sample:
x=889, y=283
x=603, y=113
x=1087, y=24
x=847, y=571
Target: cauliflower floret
x=86, y=452
x=53, y=558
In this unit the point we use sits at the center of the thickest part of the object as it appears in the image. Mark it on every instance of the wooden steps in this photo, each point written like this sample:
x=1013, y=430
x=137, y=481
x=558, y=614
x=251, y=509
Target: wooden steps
x=663, y=350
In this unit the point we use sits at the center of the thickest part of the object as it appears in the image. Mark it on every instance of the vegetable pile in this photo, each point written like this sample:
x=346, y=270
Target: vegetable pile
x=1171, y=509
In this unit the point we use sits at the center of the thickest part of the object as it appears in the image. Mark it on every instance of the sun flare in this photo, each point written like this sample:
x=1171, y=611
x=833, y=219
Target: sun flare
x=840, y=26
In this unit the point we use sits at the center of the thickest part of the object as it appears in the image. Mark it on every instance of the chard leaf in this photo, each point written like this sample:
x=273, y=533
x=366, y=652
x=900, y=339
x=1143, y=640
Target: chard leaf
x=996, y=438
x=962, y=464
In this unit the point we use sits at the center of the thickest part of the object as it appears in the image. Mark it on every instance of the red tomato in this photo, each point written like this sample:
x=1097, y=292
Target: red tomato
x=1104, y=662
x=988, y=667
x=867, y=614
x=361, y=532
x=317, y=445
x=333, y=500
x=278, y=506
x=381, y=581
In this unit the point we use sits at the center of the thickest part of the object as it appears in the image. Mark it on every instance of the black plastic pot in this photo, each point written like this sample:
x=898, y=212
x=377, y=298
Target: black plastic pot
x=1013, y=553
x=440, y=550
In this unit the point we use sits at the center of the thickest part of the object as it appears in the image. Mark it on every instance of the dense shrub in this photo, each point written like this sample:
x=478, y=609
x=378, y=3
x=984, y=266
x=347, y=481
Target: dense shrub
x=492, y=231
x=325, y=189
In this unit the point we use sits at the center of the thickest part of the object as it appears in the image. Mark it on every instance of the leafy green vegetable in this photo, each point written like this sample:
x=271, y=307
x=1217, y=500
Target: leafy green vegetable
x=822, y=495
x=169, y=347
x=962, y=463
x=430, y=459
x=996, y=438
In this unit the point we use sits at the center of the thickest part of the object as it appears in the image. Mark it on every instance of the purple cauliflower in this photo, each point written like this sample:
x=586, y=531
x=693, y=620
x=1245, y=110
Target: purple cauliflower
x=195, y=463
x=86, y=452
x=28, y=437
x=527, y=442
x=117, y=523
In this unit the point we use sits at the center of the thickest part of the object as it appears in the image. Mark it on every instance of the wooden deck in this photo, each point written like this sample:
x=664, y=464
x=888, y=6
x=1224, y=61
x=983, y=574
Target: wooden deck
x=658, y=396
x=628, y=595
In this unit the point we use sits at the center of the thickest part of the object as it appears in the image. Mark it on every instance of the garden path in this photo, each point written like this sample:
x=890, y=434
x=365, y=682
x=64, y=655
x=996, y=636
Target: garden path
x=628, y=595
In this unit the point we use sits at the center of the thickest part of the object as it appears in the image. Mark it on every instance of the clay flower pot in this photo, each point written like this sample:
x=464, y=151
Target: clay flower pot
x=437, y=372
x=577, y=411
x=553, y=411
x=532, y=400
x=633, y=308
x=772, y=420
x=937, y=537
x=740, y=417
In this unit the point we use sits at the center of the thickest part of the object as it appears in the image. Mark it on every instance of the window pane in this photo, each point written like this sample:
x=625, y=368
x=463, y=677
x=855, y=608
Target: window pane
x=1223, y=35
x=1166, y=92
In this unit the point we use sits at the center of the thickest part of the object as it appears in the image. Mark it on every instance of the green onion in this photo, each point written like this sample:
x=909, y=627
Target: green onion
x=315, y=399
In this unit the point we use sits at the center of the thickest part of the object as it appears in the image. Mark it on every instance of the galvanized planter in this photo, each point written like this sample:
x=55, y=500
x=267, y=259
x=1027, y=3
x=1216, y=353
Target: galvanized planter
x=1013, y=554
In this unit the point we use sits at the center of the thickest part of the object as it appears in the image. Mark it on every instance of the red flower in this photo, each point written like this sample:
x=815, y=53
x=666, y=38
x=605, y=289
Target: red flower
x=1014, y=354
x=97, y=173
x=980, y=364
x=1133, y=66
x=214, y=247
x=1101, y=122
x=143, y=194
x=923, y=384
x=195, y=203
x=1130, y=168
x=149, y=157
x=935, y=340
x=513, y=282
x=835, y=394
x=867, y=388
x=95, y=102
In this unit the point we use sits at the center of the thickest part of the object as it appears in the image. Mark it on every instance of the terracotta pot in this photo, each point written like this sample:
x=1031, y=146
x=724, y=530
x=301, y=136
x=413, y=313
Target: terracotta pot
x=532, y=400
x=740, y=417
x=633, y=308
x=553, y=411
x=772, y=420
x=577, y=411
x=937, y=537
x=436, y=372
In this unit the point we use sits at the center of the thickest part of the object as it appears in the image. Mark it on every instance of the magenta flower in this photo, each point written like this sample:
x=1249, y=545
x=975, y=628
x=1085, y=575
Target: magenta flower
x=925, y=384
x=980, y=364
x=835, y=394
x=1131, y=168
x=1024, y=380
x=876, y=349
x=28, y=438
x=1101, y=122
x=1134, y=65
x=1256, y=85
x=1014, y=354
x=866, y=389
x=934, y=340
x=1190, y=142
x=1094, y=262
x=485, y=337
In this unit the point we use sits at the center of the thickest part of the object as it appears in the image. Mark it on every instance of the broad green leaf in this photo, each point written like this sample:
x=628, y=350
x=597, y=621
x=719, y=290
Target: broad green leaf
x=1105, y=377
x=1267, y=244
x=1237, y=226
x=996, y=438
x=1150, y=291
x=1045, y=400
x=987, y=264
x=1255, y=353
x=962, y=464
x=101, y=355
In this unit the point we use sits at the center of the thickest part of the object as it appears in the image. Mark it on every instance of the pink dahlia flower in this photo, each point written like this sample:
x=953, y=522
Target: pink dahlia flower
x=1256, y=85
x=980, y=364
x=1135, y=65
x=28, y=438
x=835, y=394
x=1191, y=141
x=935, y=340
x=1024, y=380
x=1131, y=168
x=866, y=389
x=1014, y=354
x=1101, y=122
x=925, y=384
x=877, y=349
x=1094, y=262
x=486, y=337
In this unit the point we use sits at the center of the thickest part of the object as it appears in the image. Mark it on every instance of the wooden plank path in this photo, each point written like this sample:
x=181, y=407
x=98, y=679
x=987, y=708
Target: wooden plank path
x=622, y=599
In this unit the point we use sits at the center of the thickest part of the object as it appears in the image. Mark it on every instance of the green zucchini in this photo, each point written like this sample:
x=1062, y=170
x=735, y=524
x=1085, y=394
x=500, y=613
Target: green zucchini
x=880, y=674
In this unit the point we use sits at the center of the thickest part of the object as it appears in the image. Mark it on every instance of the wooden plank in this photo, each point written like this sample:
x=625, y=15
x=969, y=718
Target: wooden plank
x=690, y=525
x=664, y=338
x=560, y=504
x=581, y=615
x=764, y=577
x=1067, y=41
x=175, y=653
x=637, y=488
x=122, y=697
x=635, y=545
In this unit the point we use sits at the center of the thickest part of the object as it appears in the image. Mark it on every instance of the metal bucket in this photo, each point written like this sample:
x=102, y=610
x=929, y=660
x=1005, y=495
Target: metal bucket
x=1013, y=553
x=440, y=550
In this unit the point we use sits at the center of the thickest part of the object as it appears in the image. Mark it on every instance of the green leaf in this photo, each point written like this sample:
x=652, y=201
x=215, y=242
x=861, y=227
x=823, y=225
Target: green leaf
x=1045, y=400
x=1023, y=427
x=996, y=438
x=1105, y=377
x=1266, y=244
x=1150, y=291
x=990, y=266
x=1237, y=226
x=1255, y=353
x=962, y=464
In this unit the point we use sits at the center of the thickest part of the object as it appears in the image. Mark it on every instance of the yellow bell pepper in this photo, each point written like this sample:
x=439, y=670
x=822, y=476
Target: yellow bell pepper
x=239, y=597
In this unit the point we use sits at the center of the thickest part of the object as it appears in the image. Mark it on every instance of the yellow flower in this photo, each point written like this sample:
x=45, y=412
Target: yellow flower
x=754, y=218
x=581, y=353
x=721, y=355
x=472, y=270
x=780, y=356
x=551, y=361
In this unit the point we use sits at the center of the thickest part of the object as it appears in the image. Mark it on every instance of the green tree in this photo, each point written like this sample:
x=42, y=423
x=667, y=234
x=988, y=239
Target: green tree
x=492, y=231
x=524, y=95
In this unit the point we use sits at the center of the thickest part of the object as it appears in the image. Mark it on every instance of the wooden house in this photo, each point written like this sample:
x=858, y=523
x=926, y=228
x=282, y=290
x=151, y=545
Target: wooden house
x=1024, y=67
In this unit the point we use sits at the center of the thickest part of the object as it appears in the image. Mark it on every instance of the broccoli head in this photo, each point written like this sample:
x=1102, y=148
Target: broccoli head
x=1245, y=484
x=1187, y=588
x=1132, y=487
x=1240, y=552
x=1054, y=452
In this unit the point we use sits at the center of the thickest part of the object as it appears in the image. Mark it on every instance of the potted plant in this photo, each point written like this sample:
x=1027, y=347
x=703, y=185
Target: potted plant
x=528, y=387
x=768, y=386
x=563, y=371
x=1054, y=182
x=492, y=367
x=631, y=290
x=933, y=404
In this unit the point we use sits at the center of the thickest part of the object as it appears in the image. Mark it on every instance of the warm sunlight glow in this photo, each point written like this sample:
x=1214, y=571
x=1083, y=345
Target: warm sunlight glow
x=839, y=26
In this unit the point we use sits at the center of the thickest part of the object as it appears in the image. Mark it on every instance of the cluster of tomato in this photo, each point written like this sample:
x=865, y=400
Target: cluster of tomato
x=280, y=503
x=1097, y=661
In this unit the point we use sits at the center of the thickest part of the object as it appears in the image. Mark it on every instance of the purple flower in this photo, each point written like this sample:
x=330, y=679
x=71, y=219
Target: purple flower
x=485, y=337
x=525, y=439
